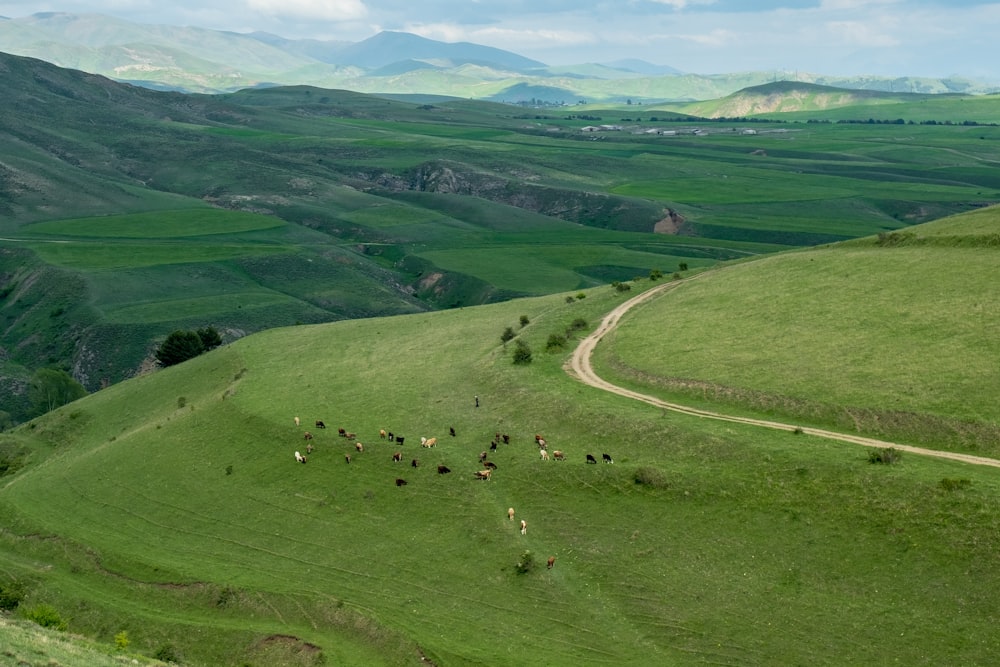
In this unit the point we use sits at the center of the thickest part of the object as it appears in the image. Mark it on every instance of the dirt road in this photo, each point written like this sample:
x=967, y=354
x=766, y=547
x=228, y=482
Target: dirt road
x=579, y=366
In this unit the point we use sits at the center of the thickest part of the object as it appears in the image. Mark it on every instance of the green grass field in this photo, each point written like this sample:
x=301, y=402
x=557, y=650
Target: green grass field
x=171, y=507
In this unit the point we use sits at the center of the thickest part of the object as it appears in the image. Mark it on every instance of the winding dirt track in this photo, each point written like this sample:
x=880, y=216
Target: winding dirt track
x=579, y=366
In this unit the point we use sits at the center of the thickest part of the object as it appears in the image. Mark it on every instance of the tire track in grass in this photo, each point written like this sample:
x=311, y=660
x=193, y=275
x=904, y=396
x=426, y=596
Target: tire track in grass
x=579, y=366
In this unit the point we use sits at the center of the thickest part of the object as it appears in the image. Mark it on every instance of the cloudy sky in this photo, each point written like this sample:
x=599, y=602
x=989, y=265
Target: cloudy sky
x=838, y=37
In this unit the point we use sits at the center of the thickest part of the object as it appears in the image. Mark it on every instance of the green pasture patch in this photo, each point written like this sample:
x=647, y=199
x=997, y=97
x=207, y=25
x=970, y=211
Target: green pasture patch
x=533, y=269
x=181, y=223
x=94, y=255
x=390, y=215
x=840, y=335
x=207, y=307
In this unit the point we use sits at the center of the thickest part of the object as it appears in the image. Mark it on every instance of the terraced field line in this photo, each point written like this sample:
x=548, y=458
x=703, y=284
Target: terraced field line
x=579, y=366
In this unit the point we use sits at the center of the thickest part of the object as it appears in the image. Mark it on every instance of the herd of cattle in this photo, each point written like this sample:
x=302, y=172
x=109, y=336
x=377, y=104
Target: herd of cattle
x=485, y=472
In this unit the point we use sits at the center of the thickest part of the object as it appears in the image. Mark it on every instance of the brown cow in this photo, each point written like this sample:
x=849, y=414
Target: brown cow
x=490, y=465
x=429, y=442
x=551, y=562
x=483, y=474
x=398, y=456
x=381, y=434
x=308, y=436
x=558, y=455
x=443, y=470
x=358, y=446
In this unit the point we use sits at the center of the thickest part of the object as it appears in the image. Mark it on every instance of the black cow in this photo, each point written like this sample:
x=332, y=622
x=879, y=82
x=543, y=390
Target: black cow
x=414, y=463
x=490, y=465
x=607, y=458
x=399, y=439
x=320, y=424
x=451, y=431
x=591, y=459
x=443, y=470
x=400, y=481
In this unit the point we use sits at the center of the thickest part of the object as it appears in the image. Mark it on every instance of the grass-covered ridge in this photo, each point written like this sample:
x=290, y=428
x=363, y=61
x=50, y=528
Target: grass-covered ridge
x=884, y=336
x=174, y=510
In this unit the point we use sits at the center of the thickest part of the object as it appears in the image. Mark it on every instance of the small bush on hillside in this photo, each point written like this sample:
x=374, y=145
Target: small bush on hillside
x=949, y=484
x=652, y=477
x=886, y=455
x=570, y=299
x=507, y=335
x=655, y=274
x=578, y=324
x=522, y=353
x=525, y=563
x=524, y=321
x=682, y=266
x=12, y=594
x=621, y=287
x=167, y=653
x=46, y=616
x=555, y=343
x=122, y=640
x=581, y=295
x=51, y=388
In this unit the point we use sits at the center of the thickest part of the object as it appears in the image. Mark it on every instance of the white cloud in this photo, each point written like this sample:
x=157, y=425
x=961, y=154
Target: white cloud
x=323, y=10
x=504, y=38
x=856, y=33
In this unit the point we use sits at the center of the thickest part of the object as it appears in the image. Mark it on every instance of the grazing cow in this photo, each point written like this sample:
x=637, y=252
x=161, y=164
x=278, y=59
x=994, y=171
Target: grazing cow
x=493, y=446
x=542, y=444
x=309, y=448
x=539, y=438
x=391, y=436
x=591, y=459
x=607, y=458
x=506, y=439
x=490, y=465
x=482, y=455
x=443, y=470
x=399, y=440
x=451, y=431
x=347, y=458
x=551, y=562
x=358, y=446
x=545, y=454
x=483, y=474
x=350, y=436
x=308, y=436
x=296, y=421
x=320, y=424
x=558, y=455
x=381, y=434
x=428, y=442
x=300, y=458
x=400, y=481
x=398, y=456
x=524, y=527
x=341, y=432
x=414, y=463
x=510, y=514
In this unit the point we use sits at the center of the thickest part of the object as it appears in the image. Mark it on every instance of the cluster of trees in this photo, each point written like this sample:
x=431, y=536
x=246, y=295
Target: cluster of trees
x=183, y=345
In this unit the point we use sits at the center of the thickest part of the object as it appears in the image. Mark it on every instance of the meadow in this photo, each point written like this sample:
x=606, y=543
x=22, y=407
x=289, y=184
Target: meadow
x=174, y=510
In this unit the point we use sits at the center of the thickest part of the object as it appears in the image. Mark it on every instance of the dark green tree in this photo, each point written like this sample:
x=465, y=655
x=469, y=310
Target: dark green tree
x=507, y=335
x=210, y=338
x=179, y=346
x=522, y=353
x=524, y=320
x=51, y=388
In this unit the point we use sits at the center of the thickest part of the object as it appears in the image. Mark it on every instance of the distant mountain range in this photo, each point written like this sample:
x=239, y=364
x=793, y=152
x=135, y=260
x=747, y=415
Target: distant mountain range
x=210, y=61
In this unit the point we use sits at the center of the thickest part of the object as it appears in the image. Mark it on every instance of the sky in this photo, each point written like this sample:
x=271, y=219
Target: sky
x=934, y=38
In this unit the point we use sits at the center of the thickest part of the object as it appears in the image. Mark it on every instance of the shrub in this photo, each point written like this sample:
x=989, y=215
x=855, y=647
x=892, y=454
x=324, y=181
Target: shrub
x=655, y=274
x=522, y=353
x=581, y=295
x=179, y=346
x=121, y=640
x=683, y=266
x=653, y=477
x=525, y=562
x=46, y=616
x=167, y=653
x=570, y=299
x=621, y=287
x=524, y=320
x=578, y=324
x=886, y=455
x=949, y=484
x=11, y=595
x=555, y=342
x=507, y=335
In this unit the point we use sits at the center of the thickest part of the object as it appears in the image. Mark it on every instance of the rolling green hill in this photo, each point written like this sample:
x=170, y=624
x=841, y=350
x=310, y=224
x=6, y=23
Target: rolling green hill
x=170, y=506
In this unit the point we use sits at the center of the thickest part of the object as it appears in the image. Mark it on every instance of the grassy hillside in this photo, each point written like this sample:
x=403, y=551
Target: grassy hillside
x=170, y=506
x=886, y=335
